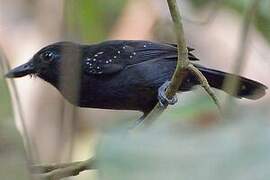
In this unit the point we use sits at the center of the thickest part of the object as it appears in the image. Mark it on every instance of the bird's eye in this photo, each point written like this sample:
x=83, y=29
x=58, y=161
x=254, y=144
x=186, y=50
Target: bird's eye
x=48, y=56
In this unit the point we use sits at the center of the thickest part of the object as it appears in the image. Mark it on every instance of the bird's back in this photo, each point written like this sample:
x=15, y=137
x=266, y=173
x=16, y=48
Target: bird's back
x=125, y=74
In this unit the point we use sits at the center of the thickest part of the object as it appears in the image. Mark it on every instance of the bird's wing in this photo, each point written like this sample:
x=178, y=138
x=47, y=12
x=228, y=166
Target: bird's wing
x=113, y=56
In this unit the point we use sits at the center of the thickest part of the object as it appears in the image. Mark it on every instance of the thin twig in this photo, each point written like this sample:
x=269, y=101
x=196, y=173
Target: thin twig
x=183, y=60
x=182, y=64
x=232, y=84
x=58, y=171
x=204, y=83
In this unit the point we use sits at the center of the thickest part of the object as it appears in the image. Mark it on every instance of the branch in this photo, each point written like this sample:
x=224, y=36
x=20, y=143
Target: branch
x=182, y=64
x=232, y=84
x=204, y=83
x=58, y=171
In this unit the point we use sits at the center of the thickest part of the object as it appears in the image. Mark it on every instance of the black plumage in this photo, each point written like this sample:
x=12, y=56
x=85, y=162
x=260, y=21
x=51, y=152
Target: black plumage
x=123, y=75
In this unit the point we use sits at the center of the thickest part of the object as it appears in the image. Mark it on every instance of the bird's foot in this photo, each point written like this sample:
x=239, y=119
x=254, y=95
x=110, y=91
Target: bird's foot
x=162, y=98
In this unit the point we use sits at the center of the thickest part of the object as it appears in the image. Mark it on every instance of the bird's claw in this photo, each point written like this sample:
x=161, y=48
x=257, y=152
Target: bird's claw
x=162, y=98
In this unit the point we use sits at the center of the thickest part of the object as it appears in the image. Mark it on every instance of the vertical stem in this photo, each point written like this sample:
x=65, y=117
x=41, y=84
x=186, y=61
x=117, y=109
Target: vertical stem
x=232, y=84
x=183, y=60
x=182, y=63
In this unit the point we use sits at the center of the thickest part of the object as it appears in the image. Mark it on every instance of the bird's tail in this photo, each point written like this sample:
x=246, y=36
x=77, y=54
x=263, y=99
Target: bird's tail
x=247, y=88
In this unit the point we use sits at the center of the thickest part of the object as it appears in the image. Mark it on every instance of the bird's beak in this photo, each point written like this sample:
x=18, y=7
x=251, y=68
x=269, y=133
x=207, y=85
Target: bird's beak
x=22, y=70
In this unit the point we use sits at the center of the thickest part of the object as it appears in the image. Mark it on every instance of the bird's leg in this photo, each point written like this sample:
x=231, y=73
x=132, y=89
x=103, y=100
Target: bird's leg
x=162, y=98
x=139, y=121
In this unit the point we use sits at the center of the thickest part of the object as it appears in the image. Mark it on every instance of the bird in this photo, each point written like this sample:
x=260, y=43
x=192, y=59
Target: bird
x=122, y=74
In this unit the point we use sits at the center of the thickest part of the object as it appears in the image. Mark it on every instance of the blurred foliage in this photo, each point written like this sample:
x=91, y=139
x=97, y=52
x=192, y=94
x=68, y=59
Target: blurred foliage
x=238, y=149
x=12, y=154
x=262, y=19
x=92, y=20
x=11, y=146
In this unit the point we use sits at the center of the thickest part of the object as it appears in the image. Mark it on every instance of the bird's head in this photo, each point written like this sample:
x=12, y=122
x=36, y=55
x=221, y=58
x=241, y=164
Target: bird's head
x=48, y=62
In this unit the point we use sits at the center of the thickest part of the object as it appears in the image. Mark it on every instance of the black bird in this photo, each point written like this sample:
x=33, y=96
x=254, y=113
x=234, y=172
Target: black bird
x=120, y=74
